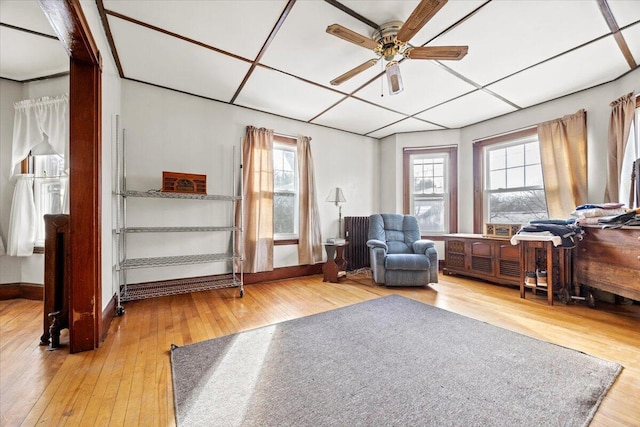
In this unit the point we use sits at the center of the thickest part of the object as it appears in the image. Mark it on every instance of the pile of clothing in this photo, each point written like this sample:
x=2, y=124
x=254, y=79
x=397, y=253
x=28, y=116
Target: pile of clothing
x=590, y=214
x=566, y=230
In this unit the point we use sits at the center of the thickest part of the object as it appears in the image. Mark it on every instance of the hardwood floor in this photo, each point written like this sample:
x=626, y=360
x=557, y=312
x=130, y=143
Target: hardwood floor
x=127, y=381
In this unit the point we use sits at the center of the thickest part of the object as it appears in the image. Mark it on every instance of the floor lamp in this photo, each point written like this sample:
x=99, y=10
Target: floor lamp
x=336, y=196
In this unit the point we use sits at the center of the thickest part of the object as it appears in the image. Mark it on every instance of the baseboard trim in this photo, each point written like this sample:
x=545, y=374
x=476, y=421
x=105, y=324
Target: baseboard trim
x=282, y=273
x=31, y=291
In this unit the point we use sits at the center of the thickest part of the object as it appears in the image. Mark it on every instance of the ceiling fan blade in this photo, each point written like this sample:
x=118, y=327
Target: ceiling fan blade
x=437, y=52
x=351, y=36
x=420, y=15
x=360, y=68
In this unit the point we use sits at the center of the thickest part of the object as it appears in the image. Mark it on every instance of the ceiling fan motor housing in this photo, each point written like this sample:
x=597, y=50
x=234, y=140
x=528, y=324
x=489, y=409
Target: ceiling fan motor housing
x=386, y=37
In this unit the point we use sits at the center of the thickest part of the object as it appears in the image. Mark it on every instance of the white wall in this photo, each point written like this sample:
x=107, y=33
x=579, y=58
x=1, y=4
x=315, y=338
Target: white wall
x=170, y=131
x=110, y=110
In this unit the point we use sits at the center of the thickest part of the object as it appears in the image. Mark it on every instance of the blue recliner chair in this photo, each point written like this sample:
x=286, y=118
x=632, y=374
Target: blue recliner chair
x=398, y=256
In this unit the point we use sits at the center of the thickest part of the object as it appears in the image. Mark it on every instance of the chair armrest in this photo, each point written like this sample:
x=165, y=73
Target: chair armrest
x=373, y=243
x=421, y=246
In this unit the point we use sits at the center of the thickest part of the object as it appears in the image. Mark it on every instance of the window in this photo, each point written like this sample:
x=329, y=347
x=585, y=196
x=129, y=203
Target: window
x=49, y=188
x=285, y=189
x=430, y=188
x=511, y=177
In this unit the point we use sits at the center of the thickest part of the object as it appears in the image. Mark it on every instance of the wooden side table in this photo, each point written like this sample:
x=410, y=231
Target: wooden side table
x=336, y=267
x=529, y=262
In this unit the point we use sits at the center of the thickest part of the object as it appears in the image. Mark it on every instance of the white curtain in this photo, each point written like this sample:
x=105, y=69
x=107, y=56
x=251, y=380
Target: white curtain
x=40, y=126
x=22, y=220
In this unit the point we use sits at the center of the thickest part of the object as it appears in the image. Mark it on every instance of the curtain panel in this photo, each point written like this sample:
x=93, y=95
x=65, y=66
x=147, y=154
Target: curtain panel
x=41, y=126
x=622, y=148
x=563, y=155
x=21, y=238
x=257, y=211
x=310, y=239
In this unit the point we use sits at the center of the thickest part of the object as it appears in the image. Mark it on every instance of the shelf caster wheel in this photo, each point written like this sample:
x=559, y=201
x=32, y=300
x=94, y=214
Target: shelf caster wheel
x=120, y=311
x=564, y=296
x=591, y=300
x=241, y=293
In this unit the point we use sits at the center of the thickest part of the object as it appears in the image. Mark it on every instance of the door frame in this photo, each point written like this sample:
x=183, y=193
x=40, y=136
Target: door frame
x=85, y=160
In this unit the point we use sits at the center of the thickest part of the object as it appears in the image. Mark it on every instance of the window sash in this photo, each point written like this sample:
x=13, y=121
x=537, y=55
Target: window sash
x=438, y=170
x=281, y=193
x=527, y=168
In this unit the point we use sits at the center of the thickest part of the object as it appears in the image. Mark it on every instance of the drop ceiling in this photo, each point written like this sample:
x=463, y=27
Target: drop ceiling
x=275, y=55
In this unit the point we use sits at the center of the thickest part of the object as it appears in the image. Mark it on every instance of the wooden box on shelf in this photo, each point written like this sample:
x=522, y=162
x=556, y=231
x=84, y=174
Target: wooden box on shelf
x=178, y=182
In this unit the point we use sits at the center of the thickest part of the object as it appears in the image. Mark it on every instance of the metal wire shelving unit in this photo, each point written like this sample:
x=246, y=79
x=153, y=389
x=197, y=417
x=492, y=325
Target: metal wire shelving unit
x=129, y=292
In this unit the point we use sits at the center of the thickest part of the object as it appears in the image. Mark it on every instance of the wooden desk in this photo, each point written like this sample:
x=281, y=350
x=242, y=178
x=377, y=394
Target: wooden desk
x=336, y=266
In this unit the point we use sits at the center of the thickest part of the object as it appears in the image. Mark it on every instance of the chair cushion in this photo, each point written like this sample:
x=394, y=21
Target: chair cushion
x=406, y=262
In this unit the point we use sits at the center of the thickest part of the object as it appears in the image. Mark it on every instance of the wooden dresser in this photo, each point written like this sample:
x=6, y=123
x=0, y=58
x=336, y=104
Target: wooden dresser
x=609, y=259
x=492, y=259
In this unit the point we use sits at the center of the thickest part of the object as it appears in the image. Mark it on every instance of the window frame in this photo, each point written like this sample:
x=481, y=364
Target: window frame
x=479, y=178
x=289, y=238
x=451, y=175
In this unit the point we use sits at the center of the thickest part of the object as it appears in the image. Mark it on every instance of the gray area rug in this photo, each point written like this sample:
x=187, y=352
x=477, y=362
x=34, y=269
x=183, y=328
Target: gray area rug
x=391, y=361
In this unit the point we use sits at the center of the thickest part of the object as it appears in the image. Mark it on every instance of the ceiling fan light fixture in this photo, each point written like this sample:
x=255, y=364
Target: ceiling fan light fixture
x=394, y=79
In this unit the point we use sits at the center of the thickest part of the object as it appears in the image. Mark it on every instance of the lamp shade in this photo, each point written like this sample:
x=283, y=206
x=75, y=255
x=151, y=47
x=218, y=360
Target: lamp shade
x=336, y=196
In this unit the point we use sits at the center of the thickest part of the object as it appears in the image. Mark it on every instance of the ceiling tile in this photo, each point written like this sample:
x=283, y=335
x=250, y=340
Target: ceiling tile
x=278, y=93
x=357, y=116
x=385, y=11
x=407, y=125
x=157, y=58
x=625, y=11
x=426, y=84
x=466, y=110
x=632, y=37
x=507, y=36
x=239, y=27
x=302, y=46
x=44, y=57
x=588, y=66
x=25, y=14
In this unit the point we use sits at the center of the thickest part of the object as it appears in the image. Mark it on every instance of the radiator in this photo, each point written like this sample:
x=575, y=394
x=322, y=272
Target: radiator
x=56, y=280
x=356, y=229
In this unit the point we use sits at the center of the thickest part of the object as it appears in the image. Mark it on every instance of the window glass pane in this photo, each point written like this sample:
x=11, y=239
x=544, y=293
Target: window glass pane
x=515, y=178
x=438, y=185
x=497, y=180
x=515, y=156
x=289, y=161
x=284, y=213
x=532, y=152
x=533, y=176
x=430, y=215
x=438, y=168
x=517, y=206
x=497, y=159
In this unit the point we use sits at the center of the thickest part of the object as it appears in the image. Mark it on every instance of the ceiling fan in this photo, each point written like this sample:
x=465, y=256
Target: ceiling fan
x=392, y=40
